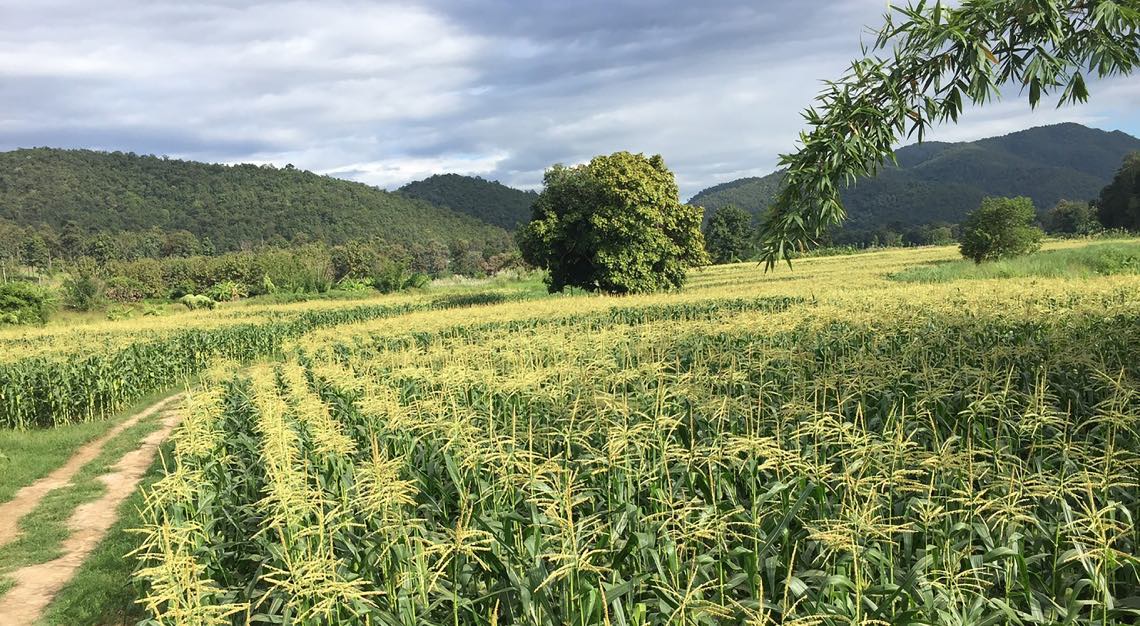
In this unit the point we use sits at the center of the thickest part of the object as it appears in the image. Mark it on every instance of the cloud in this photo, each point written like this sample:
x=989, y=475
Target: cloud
x=386, y=92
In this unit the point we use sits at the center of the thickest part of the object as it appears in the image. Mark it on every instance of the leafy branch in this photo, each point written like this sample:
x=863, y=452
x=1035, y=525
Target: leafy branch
x=926, y=63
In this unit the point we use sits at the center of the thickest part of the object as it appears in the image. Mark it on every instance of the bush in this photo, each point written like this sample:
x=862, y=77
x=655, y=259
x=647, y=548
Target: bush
x=195, y=302
x=123, y=289
x=1000, y=228
x=24, y=303
x=84, y=291
x=390, y=276
x=352, y=260
x=227, y=291
x=353, y=284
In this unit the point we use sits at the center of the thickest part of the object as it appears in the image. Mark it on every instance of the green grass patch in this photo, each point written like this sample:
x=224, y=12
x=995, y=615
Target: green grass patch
x=28, y=455
x=1102, y=259
x=45, y=527
x=102, y=592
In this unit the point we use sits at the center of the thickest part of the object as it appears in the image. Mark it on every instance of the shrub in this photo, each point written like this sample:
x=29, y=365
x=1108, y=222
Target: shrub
x=501, y=262
x=124, y=289
x=84, y=291
x=1000, y=228
x=353, y=284
x=24, y=303
x=352, y=260
x=227, y=291
x=389, y=275
x=195, y=302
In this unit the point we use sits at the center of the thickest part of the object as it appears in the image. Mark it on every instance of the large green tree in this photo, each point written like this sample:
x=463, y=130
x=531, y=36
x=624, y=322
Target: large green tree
x=928, y=61
x=1119, y=204
x=615, y=225
x=729, y=234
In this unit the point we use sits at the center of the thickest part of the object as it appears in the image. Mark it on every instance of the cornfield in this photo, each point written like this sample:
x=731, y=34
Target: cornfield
x=53, y=378
x=829, y=449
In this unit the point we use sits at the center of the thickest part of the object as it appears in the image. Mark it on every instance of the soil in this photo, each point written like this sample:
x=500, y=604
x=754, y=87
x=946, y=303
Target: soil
x=36, y=585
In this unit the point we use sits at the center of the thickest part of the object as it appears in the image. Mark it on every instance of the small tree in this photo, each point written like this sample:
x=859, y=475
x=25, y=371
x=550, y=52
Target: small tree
x=615, y=224
x=84, y=290
x=431, y=258
x=1000, y=228
x=352, y=260
x=1071, y=218
x=729, y=234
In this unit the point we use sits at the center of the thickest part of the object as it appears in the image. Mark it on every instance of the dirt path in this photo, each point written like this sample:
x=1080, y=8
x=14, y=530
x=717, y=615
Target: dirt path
x=26, y=499
x=36, y=585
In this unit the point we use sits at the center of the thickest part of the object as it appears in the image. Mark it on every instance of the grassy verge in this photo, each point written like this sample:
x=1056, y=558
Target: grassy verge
x=45, y=528
x=102, y=593
x=29, y=455
x=1101, y=259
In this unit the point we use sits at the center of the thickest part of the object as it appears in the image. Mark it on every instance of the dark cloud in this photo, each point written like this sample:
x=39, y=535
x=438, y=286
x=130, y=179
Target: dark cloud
x=389, y=92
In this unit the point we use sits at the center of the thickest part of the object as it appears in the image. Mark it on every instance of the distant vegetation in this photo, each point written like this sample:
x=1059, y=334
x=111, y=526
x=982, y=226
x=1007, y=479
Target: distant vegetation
x=1102, y=259
x=487, y=201
x=729, y=236
x=93, y=229
x=1119, y=203
x=151, y=206
x=938, y=183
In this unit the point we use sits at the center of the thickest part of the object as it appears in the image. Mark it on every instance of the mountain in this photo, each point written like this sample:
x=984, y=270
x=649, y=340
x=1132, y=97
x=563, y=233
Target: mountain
x=489, y=201
x=232, y=205
x=941, y=182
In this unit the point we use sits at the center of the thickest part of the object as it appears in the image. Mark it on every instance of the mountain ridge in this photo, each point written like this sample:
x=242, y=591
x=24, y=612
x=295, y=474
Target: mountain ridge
x=940, y=181
x=235, y=206
x=487, y=200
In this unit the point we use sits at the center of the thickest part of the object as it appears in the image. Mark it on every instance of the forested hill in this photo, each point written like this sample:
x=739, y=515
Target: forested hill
x=941, y=182
x=486, y=200
x=233, y=206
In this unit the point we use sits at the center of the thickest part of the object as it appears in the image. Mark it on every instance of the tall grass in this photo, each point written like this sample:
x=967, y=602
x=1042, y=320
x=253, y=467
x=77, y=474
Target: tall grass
x=1102, y=259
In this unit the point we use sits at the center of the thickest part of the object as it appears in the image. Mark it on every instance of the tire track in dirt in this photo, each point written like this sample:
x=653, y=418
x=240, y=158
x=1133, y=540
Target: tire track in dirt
x=26, y=499
x=36, y=585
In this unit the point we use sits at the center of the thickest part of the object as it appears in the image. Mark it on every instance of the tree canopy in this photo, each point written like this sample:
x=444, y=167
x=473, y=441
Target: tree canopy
x=1071, y=218
x=729, y=234
x=615, y=225
x=1119, y=203
x=927, y=62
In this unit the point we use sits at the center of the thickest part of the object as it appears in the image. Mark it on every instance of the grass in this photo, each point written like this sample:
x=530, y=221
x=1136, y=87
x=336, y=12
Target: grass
x=1103, y=259
x=45, y=528
x=28, y=455
x=101, y=593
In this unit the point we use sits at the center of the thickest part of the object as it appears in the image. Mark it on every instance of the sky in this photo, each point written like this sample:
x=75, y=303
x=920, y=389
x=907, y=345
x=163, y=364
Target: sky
x=385, y=93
